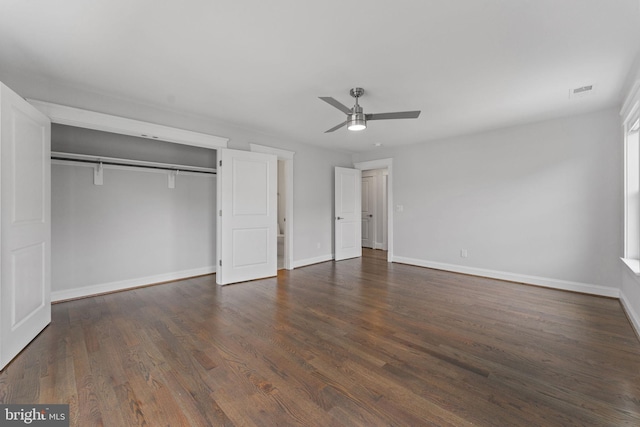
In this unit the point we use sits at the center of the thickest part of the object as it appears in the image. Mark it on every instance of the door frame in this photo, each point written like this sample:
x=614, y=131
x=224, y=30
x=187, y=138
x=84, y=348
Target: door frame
x=287, y=157
x=388, y=165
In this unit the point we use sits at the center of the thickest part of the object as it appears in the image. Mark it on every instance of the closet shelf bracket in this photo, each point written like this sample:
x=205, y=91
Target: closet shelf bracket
x=172, y=178
x=98, y=174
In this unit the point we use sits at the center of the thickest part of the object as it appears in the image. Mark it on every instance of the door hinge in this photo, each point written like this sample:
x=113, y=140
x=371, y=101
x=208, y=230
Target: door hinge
x=220, y=163
x=220, y=263
x=220, y=213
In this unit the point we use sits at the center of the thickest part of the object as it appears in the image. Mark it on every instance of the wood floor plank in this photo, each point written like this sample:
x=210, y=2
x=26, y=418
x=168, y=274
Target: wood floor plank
x=360, y=342
x=88, y=410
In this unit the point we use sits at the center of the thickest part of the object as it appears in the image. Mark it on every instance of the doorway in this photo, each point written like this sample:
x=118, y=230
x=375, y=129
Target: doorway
x=285, y=203
x=385, y=168
x=374, y=208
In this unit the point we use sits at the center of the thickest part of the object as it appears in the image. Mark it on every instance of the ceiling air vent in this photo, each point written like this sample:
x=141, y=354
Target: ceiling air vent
x=581, y=92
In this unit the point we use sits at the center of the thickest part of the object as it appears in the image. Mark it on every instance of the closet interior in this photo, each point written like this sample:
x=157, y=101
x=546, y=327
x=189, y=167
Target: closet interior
x=128, y=211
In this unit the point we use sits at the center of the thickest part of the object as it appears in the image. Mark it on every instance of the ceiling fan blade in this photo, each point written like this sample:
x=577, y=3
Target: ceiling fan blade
x=336, y=127
x=329, y=100
x=398, y=115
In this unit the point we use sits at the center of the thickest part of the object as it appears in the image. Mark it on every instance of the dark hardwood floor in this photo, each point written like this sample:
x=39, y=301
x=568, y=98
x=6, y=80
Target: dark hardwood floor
x=358, y=342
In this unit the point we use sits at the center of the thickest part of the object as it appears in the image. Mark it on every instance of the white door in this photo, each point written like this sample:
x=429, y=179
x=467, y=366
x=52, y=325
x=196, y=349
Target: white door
x=247, y=216
x=347, y=218
x=368, y=211
x=25, y=223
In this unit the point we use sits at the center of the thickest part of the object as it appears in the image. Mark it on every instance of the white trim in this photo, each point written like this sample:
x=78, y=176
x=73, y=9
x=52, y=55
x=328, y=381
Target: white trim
x=630, y=113
x=633, y=264
x=625, y=183
x=384, y=164
x=631, y=101
x=282, y=154
x=92, y=290
x=634, y=316
x=546, y=282
x=287, y=157
x=310, y=261
x=71, y=116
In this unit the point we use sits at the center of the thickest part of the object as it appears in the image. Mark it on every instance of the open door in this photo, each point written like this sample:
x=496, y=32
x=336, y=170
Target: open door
x=247, y=216
x=25, y=223
x=369, y=211
x=348, y=215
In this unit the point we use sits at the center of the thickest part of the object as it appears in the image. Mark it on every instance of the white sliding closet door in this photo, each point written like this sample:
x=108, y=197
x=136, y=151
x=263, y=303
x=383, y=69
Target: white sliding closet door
x=247, y=216
x=25, y=223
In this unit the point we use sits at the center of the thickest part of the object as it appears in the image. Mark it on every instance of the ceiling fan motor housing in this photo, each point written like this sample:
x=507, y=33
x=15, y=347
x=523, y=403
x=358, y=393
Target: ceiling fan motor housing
x=356, y=92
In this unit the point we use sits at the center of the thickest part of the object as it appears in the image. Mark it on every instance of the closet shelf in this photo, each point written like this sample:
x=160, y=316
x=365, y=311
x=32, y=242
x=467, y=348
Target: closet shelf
x=114, y=161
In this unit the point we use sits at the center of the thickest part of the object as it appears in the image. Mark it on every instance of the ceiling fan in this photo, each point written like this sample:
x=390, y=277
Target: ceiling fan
x=356, y=119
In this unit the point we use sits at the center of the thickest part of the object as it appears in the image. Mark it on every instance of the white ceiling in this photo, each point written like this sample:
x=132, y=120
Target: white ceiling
x=469, y=65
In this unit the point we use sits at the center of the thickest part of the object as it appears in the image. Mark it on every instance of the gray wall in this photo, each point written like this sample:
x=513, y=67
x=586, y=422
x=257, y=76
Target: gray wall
x=313, y=202
x=542, y=200
x=133, y=230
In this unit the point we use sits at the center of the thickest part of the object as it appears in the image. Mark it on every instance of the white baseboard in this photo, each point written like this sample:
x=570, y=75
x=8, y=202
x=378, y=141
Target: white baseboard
x=513, y=277
x=633, y=315
x=315, y=260
x=102, y=288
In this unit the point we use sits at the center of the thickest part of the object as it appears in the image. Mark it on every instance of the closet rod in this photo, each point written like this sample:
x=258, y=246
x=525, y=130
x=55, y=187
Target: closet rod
x=112, y=163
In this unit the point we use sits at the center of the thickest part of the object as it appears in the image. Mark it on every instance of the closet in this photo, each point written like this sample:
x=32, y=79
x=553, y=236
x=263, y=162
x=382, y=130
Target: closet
x=128, y=211
x=119, y=203
x=133, y=204
x=245, y=192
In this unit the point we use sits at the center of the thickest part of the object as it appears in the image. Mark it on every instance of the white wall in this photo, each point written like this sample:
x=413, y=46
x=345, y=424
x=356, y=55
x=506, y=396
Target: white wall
x=540, y=203
x=131, y=231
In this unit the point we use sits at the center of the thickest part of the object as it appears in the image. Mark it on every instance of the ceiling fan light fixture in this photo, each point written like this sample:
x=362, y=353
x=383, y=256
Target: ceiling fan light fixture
x=356, y=122
x=357, y=119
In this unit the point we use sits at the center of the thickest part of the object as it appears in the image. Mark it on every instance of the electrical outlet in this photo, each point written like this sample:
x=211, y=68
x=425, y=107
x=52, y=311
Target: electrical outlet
x=464, y=253
x=318, y=245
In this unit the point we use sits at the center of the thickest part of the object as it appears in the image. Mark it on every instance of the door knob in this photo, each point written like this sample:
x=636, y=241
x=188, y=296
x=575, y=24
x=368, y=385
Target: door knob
x=339, y=218
x=370, y=215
